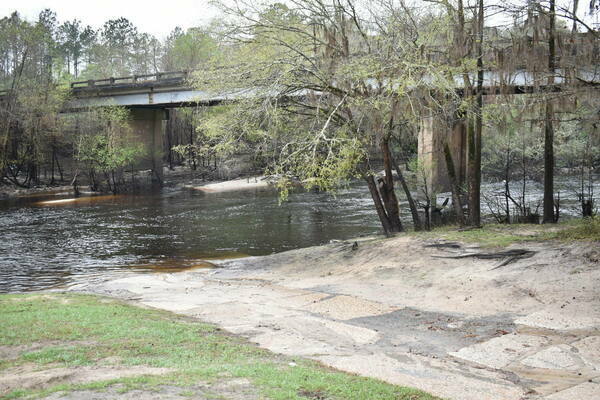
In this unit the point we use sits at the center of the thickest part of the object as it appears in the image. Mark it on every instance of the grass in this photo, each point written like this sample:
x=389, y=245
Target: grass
x=500, y=235
x=580, y=229
x=90, y=330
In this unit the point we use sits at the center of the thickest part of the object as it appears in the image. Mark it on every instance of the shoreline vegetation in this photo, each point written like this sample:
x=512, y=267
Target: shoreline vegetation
x=57, y=343
x=503, y=235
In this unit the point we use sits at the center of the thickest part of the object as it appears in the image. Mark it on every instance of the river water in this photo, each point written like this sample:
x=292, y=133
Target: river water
x=53, y=245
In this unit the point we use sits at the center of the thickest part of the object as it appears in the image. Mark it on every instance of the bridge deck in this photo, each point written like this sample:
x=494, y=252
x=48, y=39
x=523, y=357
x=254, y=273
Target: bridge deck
x=174, y=89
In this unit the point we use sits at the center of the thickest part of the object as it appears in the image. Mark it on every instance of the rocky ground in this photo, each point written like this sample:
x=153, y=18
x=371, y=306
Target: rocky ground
x=409, y=313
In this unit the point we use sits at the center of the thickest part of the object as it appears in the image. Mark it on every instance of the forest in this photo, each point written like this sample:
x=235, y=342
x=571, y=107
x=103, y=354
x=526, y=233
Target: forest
x=341, y=90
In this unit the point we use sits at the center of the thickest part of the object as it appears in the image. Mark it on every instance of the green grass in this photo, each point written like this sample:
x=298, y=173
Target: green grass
x=580, y=229
x=91, y=330
x=501, y=235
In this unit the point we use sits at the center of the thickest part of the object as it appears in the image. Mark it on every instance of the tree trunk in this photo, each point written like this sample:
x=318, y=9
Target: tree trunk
x=549, y=216
x=456, y=192
x=411, y=202
x=52, y=169
x=475, y=133
x=60, y=172
x=385, y=221
x=386, y=188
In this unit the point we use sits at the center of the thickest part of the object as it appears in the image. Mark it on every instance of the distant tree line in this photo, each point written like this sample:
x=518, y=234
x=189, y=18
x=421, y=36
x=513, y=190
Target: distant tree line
x=38, y=60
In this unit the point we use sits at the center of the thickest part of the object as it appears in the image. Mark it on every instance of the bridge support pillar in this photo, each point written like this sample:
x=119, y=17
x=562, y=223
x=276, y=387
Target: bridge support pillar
x=149, y=126
x=434, y=133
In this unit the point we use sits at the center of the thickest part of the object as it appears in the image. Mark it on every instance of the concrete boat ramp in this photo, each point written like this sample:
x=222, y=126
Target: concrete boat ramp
x=459, y=328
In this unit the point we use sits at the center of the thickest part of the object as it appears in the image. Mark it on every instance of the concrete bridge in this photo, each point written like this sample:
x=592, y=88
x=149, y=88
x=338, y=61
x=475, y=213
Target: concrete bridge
x=149, y=97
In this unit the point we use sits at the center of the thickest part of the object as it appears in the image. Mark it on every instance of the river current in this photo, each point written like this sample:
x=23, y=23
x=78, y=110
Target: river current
x=46, y=245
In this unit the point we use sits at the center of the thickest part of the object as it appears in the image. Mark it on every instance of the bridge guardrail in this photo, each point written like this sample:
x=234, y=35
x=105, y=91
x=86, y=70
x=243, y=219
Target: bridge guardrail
x=132, y=79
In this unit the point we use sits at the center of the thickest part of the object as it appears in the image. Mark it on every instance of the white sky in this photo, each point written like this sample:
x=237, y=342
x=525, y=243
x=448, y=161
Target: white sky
x=151, y=16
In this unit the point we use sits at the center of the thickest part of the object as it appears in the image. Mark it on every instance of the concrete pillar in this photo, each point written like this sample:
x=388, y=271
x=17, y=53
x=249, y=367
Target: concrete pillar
x=148, y=126
x=434, y=132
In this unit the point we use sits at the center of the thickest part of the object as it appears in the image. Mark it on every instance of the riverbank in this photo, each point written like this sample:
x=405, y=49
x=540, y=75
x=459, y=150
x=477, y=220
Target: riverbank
x=443, y=316
x=68, y=346
x=248, y=183
x=178, y=177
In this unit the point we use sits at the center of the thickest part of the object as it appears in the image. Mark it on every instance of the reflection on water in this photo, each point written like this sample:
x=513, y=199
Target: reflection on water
x=45, y=244
x=78, y=200
x=174, y=266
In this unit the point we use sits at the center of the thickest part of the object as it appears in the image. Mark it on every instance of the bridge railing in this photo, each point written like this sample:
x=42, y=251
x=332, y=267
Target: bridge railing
x=132, y=80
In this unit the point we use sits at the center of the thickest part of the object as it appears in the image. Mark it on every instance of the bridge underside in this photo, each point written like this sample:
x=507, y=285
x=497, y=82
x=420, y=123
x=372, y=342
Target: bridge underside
x=148, y=125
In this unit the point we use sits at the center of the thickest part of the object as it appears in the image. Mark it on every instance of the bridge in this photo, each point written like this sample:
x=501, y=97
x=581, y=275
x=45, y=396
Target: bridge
x=155, y=91
x=150, y=96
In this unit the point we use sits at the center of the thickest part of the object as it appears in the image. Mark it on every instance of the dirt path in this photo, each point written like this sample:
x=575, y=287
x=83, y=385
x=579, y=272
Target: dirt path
x=459, y=328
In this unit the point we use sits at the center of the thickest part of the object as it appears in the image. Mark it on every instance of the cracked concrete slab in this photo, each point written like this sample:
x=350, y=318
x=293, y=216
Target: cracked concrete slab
x=348, y=307
x=589, y=350
x=587, y=390
x=417, y=372
x=501, y=351
x=391, y=310
x=560, y=319
x=560, y=357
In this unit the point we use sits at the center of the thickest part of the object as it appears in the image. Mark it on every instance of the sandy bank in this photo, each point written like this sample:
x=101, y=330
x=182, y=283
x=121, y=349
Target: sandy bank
x=398, y=310
x=253, y=183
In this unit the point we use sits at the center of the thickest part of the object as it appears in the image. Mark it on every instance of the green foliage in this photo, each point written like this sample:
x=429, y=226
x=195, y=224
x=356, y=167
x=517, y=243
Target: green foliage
x=584, y=229
x=502, y=235
x=325, y=161
x=513, y=140
x=190, y=49
x=107, y=144
x=326, y=88
x=513, y=150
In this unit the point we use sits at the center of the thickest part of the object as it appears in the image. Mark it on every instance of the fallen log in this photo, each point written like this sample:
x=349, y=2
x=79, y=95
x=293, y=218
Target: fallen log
x=447, y=245
x=509, y=256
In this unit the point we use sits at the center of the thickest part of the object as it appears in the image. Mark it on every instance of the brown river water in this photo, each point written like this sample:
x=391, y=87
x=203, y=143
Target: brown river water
x=49, y=241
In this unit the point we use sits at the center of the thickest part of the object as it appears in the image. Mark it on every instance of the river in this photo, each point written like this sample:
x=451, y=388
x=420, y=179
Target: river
x=53, y=245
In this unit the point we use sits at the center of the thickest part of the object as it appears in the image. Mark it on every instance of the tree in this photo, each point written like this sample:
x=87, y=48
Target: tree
x=343, y=80
x=28, y=127
x=549, y=216
x=75, y=41
x=106, y=146
x=117, y=39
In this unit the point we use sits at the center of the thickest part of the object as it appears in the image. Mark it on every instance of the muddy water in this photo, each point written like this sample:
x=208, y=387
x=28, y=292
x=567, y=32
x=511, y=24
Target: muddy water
x=52, y=241
x=55, y=240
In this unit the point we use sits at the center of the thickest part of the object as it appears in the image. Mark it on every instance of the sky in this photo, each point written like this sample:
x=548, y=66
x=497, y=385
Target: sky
x=157, y=17
x=151, y=16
